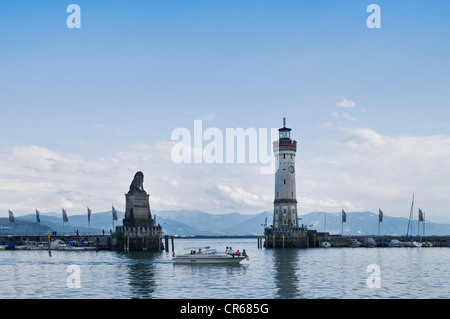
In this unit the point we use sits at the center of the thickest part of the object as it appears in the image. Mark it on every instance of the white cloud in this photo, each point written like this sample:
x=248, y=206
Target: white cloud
x=209, y=116
x=347, y=116
x=34, y=177
x=344, y=115
x=369, y=170
x=325, y=125
x=365, y=170
x=234, y=195
x=346, y=103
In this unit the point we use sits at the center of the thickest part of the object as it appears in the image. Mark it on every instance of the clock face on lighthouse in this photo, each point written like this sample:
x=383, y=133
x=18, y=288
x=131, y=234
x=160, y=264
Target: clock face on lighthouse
x=291, y=169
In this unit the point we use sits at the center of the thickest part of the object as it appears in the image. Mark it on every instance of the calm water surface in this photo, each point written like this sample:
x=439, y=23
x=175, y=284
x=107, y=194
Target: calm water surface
x=279, y=273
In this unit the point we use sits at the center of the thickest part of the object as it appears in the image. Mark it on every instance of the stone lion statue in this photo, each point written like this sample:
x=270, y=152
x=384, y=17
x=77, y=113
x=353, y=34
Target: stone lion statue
x=137, y=185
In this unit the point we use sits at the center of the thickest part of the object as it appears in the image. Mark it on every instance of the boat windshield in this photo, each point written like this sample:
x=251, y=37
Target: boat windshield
x=201, y=251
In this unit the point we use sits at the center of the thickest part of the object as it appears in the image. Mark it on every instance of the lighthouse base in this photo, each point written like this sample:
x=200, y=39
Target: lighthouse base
x=299, y=237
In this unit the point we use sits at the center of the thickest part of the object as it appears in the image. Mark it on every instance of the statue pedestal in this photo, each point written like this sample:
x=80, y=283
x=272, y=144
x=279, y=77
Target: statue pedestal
x=137, y=211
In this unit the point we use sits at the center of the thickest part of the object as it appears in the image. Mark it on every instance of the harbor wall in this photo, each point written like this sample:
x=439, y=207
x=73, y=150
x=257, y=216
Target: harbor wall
x=313, y=239
x=344, y=241
x=120, y=241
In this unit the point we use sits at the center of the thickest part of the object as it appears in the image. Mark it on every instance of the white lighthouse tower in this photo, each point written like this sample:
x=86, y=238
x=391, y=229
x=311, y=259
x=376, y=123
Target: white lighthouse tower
x=285, y=232
x=285, y=203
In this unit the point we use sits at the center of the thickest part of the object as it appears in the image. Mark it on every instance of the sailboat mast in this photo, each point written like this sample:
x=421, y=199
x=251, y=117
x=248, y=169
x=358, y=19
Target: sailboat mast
x=410, y=217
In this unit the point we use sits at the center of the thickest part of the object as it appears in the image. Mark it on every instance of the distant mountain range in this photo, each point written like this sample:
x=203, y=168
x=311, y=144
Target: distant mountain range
x=189, y=223
x=198, y=223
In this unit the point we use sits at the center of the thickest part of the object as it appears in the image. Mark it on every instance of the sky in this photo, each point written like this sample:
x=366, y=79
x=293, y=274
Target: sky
x=83, y=109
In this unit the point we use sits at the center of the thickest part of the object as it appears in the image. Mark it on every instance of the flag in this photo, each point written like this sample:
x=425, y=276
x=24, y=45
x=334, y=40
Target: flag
x=420, y=215
x=114, y=213
x=380, y=215
x=38, y=220
x=11, y=216
x=89, y=214
x=65, y=219
x=344, y=216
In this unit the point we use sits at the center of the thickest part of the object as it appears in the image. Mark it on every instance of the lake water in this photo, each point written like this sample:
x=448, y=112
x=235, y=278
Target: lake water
x=270, y=273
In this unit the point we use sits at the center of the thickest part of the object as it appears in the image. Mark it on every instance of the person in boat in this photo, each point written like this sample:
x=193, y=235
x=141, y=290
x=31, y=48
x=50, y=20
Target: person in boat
x=226, y=250
x=230, y=251
x=200, y=251
x=237, y=253
x=244, y=253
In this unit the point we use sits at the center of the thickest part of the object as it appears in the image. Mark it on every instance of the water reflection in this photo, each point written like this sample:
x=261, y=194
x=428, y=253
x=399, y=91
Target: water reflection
x=141, y=273
x=285, y=264
x=270, y=273
x=207, y=281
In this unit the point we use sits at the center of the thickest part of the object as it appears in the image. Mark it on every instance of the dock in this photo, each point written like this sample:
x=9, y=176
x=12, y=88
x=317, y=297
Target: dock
x=114, y=241
x=101, y=241
x=314, y=239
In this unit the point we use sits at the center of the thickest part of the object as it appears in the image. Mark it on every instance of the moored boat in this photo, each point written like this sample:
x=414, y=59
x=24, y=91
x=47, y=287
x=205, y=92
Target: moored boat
x=427, y=243
x=76, y=245
x=396, y=243
x=325, y=244
x=354, y=243
x=413, y=243
x=369, y=242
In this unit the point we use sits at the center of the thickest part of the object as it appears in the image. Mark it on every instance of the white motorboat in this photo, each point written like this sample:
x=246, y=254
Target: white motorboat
x=75, y=245
x=54, y=245
x=413, y=244
x=32, y=245
x=369, y=242
x=396, y=243
x=325, y=244
x=354, y=243
x=208, y=256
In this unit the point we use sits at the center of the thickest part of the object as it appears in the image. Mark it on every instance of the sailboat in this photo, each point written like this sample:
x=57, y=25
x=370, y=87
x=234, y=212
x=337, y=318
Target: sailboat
x=410, y=242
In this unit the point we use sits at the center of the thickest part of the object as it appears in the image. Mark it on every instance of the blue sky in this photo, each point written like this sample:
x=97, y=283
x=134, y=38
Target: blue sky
x=103, y=100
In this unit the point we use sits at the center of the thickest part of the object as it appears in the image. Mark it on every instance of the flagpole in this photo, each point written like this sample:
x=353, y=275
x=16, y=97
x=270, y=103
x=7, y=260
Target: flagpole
x=379, y=222
x=378, y=226
x=37, y=222
x=380, y=219
x=114, y=217
x=64, y=220
x=89, y=220
x=11, y=220
x=418, y=225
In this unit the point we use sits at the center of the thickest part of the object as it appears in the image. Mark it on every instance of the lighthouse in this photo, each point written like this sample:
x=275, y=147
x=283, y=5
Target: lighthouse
x=285, y=231
x=285, y=203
